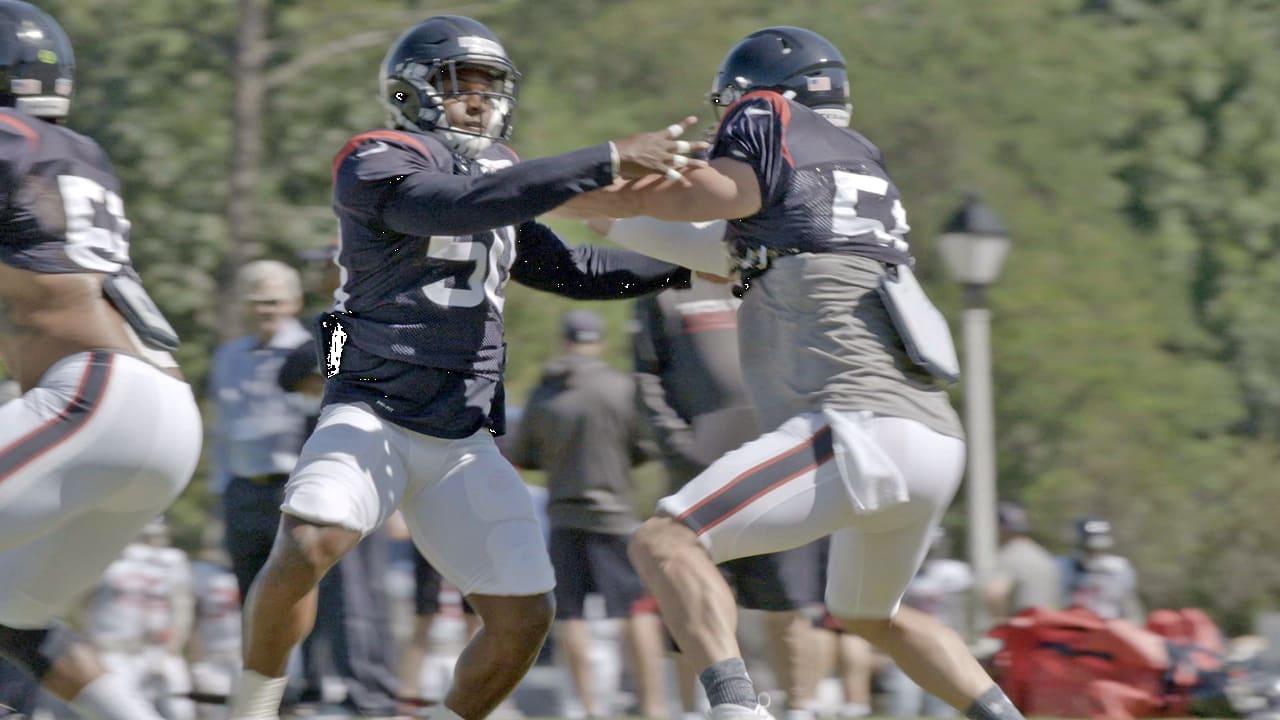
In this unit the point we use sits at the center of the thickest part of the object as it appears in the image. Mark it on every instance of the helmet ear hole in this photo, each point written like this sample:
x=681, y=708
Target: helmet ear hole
x=404, y=99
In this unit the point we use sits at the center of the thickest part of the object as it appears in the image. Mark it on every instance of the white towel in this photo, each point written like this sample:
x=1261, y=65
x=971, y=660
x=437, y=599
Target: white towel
x=872, y=478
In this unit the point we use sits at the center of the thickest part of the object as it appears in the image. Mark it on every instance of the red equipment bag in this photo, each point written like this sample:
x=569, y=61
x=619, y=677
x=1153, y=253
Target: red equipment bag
x=1072, y=663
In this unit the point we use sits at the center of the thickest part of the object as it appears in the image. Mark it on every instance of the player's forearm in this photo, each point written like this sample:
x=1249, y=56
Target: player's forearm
x=727, y=190
x=437, y=204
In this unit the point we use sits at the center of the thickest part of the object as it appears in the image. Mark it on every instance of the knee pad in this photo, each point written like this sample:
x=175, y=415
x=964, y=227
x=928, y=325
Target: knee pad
x=36, y=650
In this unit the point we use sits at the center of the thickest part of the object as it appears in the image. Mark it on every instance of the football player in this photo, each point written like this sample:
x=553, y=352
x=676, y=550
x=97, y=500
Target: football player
x=106, y=433
x=865, y=446
x=435, y=217
x=1098, y=580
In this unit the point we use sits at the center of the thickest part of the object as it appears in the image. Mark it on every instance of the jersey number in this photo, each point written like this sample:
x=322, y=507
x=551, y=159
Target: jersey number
x=97, y=230
x=844, y=208
x=488, y=265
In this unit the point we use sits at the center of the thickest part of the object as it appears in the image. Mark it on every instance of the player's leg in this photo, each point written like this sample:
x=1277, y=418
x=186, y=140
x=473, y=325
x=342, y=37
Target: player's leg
x=88, y=457
x=761, y=582
x=66, y=663
x=349, y=478
x=774, y=493
x=570, y=559
x=475, y=523
x=872, y=562
x=18, y=689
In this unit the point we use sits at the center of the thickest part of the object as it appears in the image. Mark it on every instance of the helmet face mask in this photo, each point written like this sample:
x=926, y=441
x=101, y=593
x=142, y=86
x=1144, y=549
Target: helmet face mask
x=37, y=64
x=444, y=61
x=799, y=64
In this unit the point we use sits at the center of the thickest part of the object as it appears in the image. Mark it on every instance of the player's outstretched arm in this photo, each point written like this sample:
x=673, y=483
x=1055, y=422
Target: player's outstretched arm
x=726, y=190
x=415, y=195
x=587, y=272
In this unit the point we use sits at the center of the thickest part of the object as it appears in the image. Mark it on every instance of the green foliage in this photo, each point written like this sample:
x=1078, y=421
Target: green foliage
x=1131, y=145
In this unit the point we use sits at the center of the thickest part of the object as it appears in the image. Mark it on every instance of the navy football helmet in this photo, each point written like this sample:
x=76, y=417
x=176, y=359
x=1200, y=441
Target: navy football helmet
x=800, y=64
x=36, y=62
x=421, y=70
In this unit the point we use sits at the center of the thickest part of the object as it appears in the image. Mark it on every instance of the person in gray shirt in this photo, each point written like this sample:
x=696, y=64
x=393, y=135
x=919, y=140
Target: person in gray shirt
x=1025, y=574
x=580, y=426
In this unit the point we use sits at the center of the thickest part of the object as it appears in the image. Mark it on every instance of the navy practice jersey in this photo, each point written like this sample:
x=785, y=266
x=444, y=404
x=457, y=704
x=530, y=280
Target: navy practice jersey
x=428, y=242
x=60, y=200
x=822, y=188
x=61, y=212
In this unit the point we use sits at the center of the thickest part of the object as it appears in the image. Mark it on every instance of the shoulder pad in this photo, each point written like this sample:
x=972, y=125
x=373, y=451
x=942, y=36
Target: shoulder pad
x=423, y=145
x=12, y=122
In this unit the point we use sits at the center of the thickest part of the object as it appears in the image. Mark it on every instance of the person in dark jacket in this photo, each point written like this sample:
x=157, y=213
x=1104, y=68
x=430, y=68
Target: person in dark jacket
x=580, y=426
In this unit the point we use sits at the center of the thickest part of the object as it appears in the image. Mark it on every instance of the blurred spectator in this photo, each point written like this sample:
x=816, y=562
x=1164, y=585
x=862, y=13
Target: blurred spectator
x=1102, y=582
x=138, y=617
x=941, y=589
x=1025, y=574
x=691, y=393
x=167, y=617
x=580, y=426
x=259, y=428
x=214, y=647
x=853, y=660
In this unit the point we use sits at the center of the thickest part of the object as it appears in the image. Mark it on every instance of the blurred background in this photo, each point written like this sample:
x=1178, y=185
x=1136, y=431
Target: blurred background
x=1130, y=147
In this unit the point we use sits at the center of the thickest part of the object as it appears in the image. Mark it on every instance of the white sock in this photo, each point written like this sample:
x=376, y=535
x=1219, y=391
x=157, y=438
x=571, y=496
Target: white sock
x=109, y=697
x=257, y=697
x=441, y=712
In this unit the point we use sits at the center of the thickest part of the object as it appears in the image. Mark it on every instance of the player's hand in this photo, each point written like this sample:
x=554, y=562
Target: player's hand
x=661, y=152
